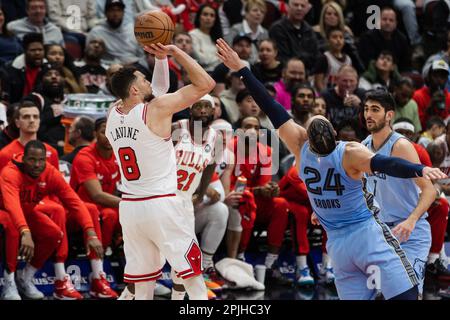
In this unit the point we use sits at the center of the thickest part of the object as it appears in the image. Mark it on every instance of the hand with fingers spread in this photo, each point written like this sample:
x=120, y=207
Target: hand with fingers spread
x=228, y=56
x=26, y=246
x=161, y=51
x=433, y=173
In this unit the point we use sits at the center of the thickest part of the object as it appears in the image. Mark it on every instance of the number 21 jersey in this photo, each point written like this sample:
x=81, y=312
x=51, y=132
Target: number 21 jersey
x=147, y=162
x=337, y=199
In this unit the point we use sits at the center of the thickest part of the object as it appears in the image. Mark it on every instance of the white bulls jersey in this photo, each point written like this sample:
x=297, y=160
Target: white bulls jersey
x=192, y=158
x=147, y=162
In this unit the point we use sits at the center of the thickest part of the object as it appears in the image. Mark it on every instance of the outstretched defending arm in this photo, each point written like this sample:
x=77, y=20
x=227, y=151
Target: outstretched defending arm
x=358, y=159
x=291, y=133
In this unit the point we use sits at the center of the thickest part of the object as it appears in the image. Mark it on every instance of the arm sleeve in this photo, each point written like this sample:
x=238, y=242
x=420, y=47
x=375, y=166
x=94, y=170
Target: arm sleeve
x=275, y=111
x=395, y=167
x=70, y=200
x=10, y=188
x=160, y=78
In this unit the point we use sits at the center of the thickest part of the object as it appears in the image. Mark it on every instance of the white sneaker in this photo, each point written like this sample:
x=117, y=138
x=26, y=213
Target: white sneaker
x=10, y=291
x=161, y=290
x=126, y=295
x=27, y=288
x=304, y=277
x=328, y=275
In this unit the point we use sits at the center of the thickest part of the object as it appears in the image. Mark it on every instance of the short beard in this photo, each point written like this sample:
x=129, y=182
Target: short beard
x=114, y=25
x=53, y=92
x=206, y=123
x=378, y=128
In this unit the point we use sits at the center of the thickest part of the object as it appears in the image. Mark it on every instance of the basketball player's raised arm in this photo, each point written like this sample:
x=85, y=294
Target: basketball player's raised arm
x=292, y=134
x=160, y=77
x=201, y=83
x=358, y=159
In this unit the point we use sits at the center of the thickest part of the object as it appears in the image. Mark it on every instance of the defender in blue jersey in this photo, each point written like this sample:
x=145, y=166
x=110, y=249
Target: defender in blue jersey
x=365, y=253
x=401, y=207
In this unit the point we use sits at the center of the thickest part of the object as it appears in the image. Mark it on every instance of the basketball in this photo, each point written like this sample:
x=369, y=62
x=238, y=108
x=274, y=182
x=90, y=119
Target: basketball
x=153, y=27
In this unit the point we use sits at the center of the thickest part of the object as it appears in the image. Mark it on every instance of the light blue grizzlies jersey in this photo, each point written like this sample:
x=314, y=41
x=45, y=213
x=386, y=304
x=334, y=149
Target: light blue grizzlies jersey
x=337, y=199
x=396, y=197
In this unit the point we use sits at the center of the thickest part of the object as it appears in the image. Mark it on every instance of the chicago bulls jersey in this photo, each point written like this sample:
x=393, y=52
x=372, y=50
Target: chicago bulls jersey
x=192, y=158
x=146, y=161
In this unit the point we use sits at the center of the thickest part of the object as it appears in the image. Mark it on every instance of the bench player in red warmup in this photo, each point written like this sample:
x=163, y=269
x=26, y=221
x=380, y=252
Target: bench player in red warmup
x=25, y=184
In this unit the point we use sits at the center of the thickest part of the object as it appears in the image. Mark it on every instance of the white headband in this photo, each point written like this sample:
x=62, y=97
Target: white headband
x=208, y=98
x=221, y=125
x=403, y=125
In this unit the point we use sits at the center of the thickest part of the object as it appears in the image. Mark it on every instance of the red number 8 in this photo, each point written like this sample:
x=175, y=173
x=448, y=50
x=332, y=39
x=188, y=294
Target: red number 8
x=129, y=165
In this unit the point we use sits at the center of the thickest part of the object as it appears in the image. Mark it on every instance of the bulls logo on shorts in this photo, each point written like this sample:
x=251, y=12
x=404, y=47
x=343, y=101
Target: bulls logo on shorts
x=194, y=258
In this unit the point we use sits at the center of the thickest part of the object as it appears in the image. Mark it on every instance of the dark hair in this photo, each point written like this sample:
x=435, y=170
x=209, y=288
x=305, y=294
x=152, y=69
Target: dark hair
x=241, y=95
x=216, y=30
x=303, y=85
x=99, y=122
x=383, y=97
x=30, y=38
x=121, y=81
x=25, y=104
x=239, y=122
x=349, y=123
x=402, y=81
x=28, y=2
x=434, y=120
x=5, y=31
x=181, y=33
x=330, y=30
x=274, y=44
x=270, y=87
x=386, y=52
x=68, y=60
x=35, y=144
x=86, y=127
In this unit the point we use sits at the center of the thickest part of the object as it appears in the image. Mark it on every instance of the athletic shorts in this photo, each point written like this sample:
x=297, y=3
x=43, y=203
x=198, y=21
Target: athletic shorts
x=367, y=258
x=155, y=229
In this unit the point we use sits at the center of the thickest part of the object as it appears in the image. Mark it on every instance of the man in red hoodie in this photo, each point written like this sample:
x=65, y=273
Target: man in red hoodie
x=26, y=184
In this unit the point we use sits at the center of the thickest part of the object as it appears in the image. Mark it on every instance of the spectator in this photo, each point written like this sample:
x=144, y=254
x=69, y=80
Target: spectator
x=51, y=96
x=433, y=98
x=11, y=131
x=182, y=40
x=293, y=73
x=302, y=104
x=217, y=107
x=27, y=184
x=113, y=31
x=19, y=76
x=348, y=131
x=242, y=44
x=268, y=68
x=405, y=106
x=36, y=22
x=63, y=15
x=14, y=10
x=255, y=11
x=408, y=11
x=294, y=36
x=207, y=31
x=94, y=177
x=388, y=37
x=380, y=73
x=435, y=128
x=9, y=43
x=331, y=61
x=442, y=55
x=228, y=97
x=271, y=210
x=320, y=107
x=344, y=100
x=192, y=8
x=331, y=17
x=91, y=70
x=106, y=87
x=57, y=56
x=81, y=134
x=248, y=108
x=27, y=119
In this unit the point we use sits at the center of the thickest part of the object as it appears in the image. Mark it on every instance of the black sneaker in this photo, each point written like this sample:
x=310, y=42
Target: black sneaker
x=274, y=276
x=438, y=269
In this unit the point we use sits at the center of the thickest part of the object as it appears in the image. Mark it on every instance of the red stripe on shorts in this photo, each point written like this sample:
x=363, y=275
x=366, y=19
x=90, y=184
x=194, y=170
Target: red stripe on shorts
x=149, y=198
